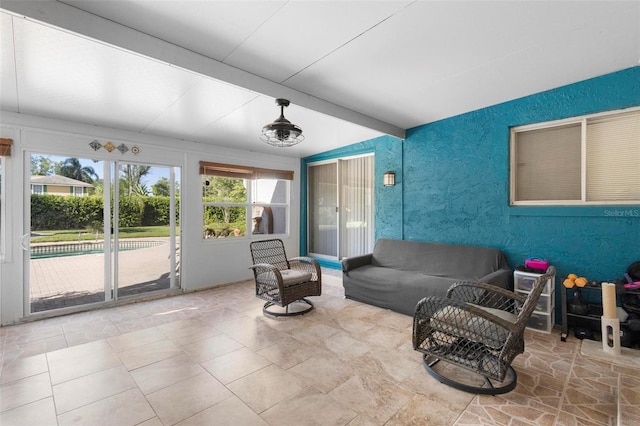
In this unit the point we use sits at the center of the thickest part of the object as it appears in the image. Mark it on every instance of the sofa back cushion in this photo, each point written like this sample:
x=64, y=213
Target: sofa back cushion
x=445, y=260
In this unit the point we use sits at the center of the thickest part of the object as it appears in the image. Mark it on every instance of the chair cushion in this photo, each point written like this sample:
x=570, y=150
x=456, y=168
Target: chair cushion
x=294, y=276
x=458, y=322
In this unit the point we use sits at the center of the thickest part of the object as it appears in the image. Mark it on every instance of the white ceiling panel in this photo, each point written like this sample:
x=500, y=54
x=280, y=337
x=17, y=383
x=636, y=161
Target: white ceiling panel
x=208, y=71
x=206, y=102
x=212, y=28
x=97, y=84
x=289, y=42
x=8, y=88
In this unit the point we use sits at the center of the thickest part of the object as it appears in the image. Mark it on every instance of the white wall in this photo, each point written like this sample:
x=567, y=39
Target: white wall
x=204, y=263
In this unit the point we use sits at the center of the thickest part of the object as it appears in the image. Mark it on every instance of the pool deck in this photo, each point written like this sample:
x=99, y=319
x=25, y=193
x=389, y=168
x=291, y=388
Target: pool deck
x=58, y=282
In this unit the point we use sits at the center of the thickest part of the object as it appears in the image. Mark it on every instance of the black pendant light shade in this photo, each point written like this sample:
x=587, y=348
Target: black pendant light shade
x=282, y=132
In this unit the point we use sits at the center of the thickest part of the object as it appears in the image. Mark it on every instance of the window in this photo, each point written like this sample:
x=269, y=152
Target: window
x=2, y=207
x=582, y=161
x=37, y=189
x=78, y=191
x=5, y=151
x=240, y=201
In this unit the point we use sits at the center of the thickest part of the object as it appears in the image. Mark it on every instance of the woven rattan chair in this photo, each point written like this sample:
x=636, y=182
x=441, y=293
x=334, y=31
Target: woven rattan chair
x=281, y=281
x=478, y=327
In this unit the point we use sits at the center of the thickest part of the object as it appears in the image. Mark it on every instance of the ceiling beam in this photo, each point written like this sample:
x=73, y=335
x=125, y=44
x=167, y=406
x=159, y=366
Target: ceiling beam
x=80, y=22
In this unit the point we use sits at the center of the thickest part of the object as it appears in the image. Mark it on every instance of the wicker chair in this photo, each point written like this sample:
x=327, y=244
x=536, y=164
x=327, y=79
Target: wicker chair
x=281, y=281
x=478, y=327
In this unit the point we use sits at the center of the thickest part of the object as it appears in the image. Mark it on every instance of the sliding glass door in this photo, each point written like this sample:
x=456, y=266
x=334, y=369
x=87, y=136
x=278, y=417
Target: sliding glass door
x=340, y=207
x=100, y=231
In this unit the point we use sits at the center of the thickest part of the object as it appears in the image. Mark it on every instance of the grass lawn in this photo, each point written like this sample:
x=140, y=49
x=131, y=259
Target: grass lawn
x=83, y=234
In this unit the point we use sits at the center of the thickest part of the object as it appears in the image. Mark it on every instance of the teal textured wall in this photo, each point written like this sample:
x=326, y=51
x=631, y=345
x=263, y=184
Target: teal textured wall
x=453, y=185
x=456, y=185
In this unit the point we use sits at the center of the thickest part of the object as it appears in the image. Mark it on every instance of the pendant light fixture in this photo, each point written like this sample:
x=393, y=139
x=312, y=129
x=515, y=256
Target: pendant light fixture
x=282, y=132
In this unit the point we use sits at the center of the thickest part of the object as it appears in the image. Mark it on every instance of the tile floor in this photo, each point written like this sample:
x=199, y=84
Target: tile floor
x=211, y=357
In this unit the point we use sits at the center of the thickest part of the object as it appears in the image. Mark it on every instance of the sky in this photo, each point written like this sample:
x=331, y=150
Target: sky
x=154, y=175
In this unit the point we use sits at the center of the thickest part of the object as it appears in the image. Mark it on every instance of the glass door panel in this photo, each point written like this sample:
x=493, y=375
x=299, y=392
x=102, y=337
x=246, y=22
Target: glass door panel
x=67, y=240
x=146, y=229
x=356, y=195
x=323, y=209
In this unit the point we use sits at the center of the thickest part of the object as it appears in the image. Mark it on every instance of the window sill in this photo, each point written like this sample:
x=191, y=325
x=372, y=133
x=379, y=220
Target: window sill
x=626, y=212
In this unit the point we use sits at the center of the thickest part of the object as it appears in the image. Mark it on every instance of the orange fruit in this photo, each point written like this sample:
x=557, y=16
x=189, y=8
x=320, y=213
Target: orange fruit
x=568, y=283
x=581, y=282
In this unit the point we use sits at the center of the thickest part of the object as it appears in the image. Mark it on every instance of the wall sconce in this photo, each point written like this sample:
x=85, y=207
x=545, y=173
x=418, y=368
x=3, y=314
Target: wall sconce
x=389, y=178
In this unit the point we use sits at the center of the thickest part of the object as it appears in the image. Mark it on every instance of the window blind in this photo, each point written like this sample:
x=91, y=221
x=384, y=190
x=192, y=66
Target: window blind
x=548, y=164
x=613, y=158
x=242, y=172
x=5, y=147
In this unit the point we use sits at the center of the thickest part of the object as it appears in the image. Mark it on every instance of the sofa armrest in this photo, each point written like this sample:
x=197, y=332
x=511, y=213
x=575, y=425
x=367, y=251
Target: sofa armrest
x=501, y=278
x=351, y=263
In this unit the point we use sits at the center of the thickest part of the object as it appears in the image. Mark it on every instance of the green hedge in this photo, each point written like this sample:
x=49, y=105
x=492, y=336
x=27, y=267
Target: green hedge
x=58, y=212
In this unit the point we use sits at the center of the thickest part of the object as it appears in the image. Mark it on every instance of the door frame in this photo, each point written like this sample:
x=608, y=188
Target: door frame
x=110, y=251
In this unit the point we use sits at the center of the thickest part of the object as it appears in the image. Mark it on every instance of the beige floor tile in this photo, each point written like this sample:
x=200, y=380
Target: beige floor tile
x=236, y=364
x=265, y=388
x=13, y=351
x=422, y=410
x=151, y=422
x=150, y=353
x=256, y=338
x=386, y=337
x=230, y=412
x=191, y=334
x=314, y=333
x=372, y=396
x=24, y=367
x=24, y=391
x=389, y=363
x=344, y=346
x=207, y=349
x=323, y=372
x=81, y=336
x=38, y=413
x=353, y=326
x=289, y=352
x=167, y=372
x=238, y=324
x=300, y=370
x=308, y=407
x=187, y=398
x=135, y=339
x=124, y=409
x=93, y=387
x=77, y=361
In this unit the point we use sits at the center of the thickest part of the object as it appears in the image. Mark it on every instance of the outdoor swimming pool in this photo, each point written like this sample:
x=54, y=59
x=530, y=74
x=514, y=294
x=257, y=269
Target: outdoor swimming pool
x=42, y=251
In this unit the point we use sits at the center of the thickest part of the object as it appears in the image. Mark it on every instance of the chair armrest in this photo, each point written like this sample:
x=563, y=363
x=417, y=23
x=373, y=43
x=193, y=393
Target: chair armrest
x=268, y=275
x=263, y=267
x=307, y=264
x=351, y=263
x=487, y=295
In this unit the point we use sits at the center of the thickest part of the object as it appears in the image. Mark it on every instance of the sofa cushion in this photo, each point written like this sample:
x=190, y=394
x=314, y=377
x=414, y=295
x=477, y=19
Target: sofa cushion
x=436, y=259
x=392, y=288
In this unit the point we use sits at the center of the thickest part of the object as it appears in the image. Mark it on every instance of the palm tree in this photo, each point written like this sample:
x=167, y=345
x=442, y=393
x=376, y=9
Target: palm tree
x=72, y=168
x=132, y=176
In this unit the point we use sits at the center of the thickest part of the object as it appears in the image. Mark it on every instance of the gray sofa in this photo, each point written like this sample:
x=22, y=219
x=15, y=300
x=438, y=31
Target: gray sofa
x=399, y=273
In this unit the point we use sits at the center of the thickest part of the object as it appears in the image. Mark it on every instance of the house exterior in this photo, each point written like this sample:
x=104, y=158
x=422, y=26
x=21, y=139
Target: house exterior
x=59, y=185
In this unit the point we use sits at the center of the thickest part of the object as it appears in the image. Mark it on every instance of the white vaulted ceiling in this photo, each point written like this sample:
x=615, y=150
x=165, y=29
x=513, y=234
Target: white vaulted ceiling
x=209, y=71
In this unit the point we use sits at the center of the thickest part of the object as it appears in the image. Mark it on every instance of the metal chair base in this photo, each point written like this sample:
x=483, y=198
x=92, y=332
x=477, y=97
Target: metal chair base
x=508, y=385
x=266, y=311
